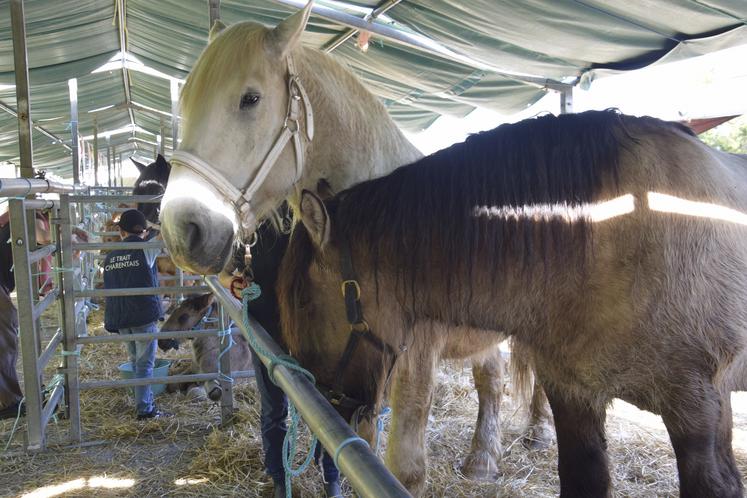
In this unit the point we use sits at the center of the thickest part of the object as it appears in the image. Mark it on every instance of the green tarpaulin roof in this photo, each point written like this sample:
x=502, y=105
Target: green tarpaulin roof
x=565, y=41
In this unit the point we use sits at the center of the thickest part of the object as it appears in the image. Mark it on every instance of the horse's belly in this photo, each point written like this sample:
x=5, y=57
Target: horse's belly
x=465, y=342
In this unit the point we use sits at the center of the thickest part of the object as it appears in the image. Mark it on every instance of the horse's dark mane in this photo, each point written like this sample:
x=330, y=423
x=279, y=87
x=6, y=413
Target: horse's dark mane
x=425, y=211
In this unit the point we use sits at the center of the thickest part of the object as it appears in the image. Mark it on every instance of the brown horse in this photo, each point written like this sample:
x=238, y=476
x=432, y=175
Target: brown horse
x=612, y=249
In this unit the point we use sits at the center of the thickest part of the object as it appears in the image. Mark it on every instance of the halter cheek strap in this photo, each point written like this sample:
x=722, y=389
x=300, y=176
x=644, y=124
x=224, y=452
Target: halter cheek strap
x=298, y=100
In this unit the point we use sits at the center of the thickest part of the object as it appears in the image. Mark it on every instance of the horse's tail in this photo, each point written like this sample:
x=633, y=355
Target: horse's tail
x=521, y=372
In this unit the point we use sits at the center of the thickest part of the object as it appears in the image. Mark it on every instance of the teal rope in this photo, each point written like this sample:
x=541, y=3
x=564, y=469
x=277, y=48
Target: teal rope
x=251, y=293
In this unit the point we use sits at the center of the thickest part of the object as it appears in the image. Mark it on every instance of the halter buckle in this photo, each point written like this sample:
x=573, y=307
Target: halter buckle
x=355, y=284
x=361, y=326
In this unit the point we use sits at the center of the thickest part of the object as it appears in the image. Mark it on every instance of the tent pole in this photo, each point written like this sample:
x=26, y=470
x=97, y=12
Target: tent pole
x=72, y=85
x=23, y=98
x=213, y=11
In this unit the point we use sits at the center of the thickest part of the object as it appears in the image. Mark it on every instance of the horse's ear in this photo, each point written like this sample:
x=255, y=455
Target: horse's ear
x=201, y=302
x=161, y=162
x=215, y=30
x=285, y=36
x=315, y=218
x=140, y=166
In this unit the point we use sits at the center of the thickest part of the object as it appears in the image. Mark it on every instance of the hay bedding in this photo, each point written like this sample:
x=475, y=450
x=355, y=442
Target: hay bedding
x=190, y=455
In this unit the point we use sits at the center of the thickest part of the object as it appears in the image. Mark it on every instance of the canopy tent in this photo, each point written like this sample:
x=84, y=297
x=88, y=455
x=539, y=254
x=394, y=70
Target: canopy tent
x=498, y=54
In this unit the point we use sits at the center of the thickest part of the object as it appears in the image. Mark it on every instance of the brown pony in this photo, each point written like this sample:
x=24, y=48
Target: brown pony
x=612, y=249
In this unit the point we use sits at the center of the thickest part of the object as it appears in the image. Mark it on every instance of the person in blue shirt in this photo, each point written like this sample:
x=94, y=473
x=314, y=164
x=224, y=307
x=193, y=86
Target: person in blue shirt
x=132, y=268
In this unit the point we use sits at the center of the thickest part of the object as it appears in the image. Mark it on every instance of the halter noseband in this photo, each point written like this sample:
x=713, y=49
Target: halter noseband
x=240, y=198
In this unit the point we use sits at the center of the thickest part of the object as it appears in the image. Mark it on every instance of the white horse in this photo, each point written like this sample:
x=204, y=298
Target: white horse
x=264, y=118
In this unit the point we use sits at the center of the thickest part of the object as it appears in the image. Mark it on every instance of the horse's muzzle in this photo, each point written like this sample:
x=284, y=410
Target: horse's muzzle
x=199, y=240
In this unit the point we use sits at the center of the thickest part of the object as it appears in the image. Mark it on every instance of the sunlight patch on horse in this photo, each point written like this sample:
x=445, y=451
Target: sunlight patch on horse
x=590, y=211
x=671, y=204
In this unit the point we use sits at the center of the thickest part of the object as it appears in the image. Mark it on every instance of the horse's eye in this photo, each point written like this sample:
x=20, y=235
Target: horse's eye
x=248, y=99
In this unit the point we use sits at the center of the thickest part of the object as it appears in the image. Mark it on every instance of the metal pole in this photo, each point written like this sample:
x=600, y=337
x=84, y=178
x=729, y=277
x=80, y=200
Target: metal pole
x=174, y=90
x=162, y=138
x=55, y=139
x=342, y=38
x=28, y=334
x=70, y=360
x=95, y=153
x=224, y=371
x=108, y=162
x=367, y=474
x=114, y=163
x=566, y=100
x=73, y=87
x=23, y=98
x=122, y=30
x=411, y=40
x=20, y=187
x=213, y=12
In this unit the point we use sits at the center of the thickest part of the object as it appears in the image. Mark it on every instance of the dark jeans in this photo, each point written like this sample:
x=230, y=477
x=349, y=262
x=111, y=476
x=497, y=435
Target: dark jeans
x=10, y=390
x=273, y=415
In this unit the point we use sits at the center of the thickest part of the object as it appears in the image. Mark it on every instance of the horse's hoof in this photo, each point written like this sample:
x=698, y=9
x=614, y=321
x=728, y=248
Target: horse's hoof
x=537, y=438
x=480, y=466
x=196, y=393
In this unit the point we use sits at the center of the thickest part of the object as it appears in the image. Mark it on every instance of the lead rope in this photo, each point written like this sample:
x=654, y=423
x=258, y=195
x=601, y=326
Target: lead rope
x=251, y=293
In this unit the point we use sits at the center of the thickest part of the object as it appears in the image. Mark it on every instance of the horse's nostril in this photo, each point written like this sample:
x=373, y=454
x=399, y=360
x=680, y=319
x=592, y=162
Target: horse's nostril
x=192, y=234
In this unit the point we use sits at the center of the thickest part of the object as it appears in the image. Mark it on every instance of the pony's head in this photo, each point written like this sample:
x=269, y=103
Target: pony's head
x=315, y=320
x=157, y=171
x=244, y=113
x=152, y=181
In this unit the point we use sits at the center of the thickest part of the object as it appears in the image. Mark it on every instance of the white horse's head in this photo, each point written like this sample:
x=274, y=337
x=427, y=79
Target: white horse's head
x=244, y=113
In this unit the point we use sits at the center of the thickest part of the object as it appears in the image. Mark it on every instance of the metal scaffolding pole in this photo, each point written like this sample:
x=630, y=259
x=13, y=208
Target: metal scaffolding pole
x=70, y=366
x=213, y=11
x=162, y=138
x=114, y=165
x=22, y=245
x=108, y=162
x=566, y=100
x=73, y=87
x=343, y=37
x=95, y=152
x=174, y=90
x=23, y=99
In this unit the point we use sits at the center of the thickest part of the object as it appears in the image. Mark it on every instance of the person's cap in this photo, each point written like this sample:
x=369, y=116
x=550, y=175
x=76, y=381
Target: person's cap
x=132, y=221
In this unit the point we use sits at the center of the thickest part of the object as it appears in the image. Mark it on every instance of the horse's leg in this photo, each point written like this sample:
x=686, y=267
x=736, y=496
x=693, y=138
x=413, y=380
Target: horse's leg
x=582, y=448
x=412, y=393
x=482, y=461
x=699, y=423
x=539, y=432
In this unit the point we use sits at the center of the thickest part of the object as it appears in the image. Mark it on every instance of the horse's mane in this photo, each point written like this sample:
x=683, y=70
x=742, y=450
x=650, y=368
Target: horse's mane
x=422, y=221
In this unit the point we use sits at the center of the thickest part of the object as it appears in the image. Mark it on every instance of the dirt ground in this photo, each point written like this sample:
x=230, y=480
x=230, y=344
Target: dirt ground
x=190, y=455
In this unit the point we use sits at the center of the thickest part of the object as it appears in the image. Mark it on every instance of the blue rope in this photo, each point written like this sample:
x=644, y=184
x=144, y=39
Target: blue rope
x=251, y=293
x=380, y=426
x=348, y=441
x=223, y=333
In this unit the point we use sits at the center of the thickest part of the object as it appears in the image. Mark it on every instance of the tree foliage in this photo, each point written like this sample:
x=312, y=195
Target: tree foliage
x=728, y=137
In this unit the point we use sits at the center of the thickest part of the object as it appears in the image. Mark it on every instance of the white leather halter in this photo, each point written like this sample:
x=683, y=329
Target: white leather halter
x=240, y=198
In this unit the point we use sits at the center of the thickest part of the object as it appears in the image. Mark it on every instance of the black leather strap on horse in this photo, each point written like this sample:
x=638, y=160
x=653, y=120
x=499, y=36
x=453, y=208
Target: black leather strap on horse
x=359, y=329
